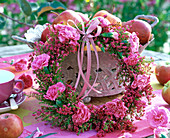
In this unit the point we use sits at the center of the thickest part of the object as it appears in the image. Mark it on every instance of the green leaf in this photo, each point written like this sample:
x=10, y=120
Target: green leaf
x=2, y=22
x=25, y=6
x=59, y=103
x=163, y=136
x=102, y=49
x=43, y=136
x=47, y=6
x=2, y=1
x=32, y=134
x=110, y=34
x=46, y=70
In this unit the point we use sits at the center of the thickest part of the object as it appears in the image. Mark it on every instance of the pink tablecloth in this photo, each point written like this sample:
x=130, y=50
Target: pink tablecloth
x=31, y=104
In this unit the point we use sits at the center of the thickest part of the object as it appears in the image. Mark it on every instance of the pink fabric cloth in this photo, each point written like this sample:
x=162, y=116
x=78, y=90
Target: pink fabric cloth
x=143, y=129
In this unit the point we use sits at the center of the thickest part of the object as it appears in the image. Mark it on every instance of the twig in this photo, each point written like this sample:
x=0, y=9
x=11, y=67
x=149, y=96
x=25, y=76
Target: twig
x=15, y=20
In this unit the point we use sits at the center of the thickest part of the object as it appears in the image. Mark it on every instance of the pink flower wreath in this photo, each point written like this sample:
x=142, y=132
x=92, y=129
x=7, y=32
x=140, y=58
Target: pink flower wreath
x=65, y=107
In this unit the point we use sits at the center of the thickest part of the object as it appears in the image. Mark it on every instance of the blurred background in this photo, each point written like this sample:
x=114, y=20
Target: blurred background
x=17, y=16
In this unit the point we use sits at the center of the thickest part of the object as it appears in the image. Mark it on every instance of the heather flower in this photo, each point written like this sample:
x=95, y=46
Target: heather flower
x=158, y=116
x=116, y=108
x=82, y=114
x=141, y=81
x=40, y=61
x=134, y=42
x=160, y=131
x=132, y=59
x=51, y=17
x=55, y=91
x=14, y=8
x=21, y=64
x=27, y=79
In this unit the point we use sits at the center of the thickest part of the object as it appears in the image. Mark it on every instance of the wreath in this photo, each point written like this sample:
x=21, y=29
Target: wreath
x=64, y=106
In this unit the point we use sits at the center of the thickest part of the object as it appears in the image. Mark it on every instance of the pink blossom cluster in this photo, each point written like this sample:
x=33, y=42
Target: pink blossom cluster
x=117, y=108
x=21, y=64
x=40, y=61
x=82, y=114
x=158, y=116
x=140, y=82
x=65, y=110
x=55, y=91
x=14, y=8
x=132, y=59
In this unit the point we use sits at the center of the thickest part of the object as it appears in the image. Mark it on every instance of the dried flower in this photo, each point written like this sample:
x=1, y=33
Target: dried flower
x=21, y=64
x=27, y=79
x=40, y=62
x=158, y=116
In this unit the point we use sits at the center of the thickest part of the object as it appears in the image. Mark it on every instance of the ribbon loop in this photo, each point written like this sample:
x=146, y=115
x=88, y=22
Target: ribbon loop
x=87, y=38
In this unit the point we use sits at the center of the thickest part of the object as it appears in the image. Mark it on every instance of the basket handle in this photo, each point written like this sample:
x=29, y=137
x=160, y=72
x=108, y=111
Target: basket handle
x=20, y=39
x=148, y=18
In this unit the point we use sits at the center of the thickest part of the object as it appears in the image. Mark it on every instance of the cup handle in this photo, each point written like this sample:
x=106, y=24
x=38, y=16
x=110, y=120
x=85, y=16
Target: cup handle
x=16, y=91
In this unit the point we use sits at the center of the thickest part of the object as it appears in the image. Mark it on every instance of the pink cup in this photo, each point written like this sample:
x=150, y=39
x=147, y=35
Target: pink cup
x=7, y=83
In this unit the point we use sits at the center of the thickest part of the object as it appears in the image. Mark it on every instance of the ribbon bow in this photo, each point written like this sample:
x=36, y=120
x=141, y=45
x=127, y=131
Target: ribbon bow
x=87, y=38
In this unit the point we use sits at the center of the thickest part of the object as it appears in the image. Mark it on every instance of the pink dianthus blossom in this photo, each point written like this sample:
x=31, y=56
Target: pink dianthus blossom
x=117, y=108
x=132, y=59
x=21, y=64
x=158, y=116
x=66, y=33
x=40, y=62
x=160, y=130
x=82, y=114
x=14, y=8
x=141, y=81
x=54, y=91
x=134, y=42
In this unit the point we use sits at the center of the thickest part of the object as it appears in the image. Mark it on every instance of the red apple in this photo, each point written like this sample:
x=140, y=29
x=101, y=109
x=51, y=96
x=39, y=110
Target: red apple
x=142, y=29
x=166, y=92
x=67, y=15
x=11, y=126
x=162, y=73
x=44, y=34
x=110, y=17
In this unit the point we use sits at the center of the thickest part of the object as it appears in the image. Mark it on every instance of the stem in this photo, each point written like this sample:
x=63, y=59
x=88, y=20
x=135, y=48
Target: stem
x=15, y=20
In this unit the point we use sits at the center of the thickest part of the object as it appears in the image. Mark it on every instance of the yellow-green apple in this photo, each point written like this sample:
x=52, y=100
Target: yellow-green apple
x=11, y=126
x=162, y=72
x=110, y=17
x=166, y=92
x=142, y=29
x=67, y=15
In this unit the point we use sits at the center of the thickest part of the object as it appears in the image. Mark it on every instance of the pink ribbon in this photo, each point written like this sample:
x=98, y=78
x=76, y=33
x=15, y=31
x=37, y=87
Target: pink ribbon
x=87, y=38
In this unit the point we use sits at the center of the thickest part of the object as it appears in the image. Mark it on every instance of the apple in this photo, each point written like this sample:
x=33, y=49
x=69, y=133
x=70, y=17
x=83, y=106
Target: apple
x=162, y=72
x=67, y=15
x=44, y=34
x=11, y=126
x=110, y=17
x=84, y=17
x=166, y=92
x=142, y=29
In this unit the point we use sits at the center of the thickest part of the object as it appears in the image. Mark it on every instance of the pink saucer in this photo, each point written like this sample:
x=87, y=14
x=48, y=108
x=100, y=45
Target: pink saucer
x=20, y=98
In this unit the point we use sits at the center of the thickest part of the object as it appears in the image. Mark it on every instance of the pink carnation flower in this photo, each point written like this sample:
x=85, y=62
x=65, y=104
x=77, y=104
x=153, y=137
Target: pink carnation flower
x=141, y=81
x=160, y=130
x=54, y=91
x=132, y=59
x=66, y=33
x=27, y=79
x=117, y=108
x=134, y=42
x=82, y=114
x=21, y=64
x=158, y=116
x=40, y=62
